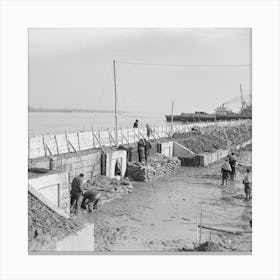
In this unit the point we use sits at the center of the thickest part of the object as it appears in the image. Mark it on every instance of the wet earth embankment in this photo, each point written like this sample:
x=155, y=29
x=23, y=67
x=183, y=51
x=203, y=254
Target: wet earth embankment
x=211, y=139
x=161, y=216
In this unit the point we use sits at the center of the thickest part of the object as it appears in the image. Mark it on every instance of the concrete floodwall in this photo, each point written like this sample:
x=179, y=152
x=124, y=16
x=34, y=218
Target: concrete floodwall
x=51, y=145
x=208, y=158
x=52, y=190
x=189, y=158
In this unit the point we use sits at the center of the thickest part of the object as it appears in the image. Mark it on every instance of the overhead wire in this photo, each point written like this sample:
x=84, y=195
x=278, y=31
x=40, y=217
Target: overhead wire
x=181, y=65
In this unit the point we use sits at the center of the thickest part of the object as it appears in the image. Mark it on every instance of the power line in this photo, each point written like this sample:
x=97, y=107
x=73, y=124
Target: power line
x=183, y=65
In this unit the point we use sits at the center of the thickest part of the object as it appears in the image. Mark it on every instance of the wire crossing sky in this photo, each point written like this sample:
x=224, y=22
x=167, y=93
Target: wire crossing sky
x=197, y=68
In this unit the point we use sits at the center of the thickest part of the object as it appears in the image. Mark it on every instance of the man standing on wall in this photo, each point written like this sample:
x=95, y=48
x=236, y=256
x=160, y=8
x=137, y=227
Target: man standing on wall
x=136, y=123
x=77, y=193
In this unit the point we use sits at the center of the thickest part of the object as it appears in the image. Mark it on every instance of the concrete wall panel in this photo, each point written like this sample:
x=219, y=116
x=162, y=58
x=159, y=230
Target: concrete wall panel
x=167, y=148
x=55, y=188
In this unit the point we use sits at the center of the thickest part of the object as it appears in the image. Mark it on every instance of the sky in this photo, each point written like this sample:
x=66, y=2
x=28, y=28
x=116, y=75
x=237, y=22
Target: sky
x=73, y=68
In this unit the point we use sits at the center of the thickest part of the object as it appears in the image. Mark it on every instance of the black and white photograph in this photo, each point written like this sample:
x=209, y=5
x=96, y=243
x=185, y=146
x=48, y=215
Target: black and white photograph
x=140, y=140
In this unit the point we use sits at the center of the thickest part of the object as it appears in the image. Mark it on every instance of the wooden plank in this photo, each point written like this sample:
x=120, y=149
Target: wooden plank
x=125, y=139
x=50, y=152
x=67, y=142
x=79, y=145
x=98, y=140
x=93, y=138
x=225, y=231
x=56, y=144
x=44, y=145
x=71, y=145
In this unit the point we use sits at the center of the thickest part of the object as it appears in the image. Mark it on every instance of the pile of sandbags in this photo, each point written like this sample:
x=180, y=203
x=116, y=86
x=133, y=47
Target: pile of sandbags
x=158, y=165
x=109, y=188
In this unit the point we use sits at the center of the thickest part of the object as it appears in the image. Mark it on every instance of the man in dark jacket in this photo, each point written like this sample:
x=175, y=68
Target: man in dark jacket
x=148, y=147
x=232, y=162
x=141, y=150
x=77, y=192
x=136, y=123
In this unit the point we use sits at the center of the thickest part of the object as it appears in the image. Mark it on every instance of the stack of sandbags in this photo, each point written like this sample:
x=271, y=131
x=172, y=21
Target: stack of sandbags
x=109, y=188
x=158, y=165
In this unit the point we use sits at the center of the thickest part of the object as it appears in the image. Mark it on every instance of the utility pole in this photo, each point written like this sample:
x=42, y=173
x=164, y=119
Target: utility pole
x=172, y=109
x=116, y=112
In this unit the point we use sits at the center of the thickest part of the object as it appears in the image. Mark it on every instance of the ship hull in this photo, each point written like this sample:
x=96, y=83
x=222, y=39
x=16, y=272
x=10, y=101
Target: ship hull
x=206, y=117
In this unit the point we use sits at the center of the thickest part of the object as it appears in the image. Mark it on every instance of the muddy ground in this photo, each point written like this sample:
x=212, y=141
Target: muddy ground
x=161, y=216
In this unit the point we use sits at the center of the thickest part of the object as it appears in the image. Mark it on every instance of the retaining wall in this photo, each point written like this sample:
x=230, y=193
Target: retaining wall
x=52, y=190
x=50, y=145
x=188, y=158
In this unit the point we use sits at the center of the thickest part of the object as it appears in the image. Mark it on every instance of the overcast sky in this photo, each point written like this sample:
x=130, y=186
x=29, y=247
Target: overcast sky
x=73, y=68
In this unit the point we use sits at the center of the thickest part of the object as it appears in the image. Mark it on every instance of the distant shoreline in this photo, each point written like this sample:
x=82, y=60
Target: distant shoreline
x=47, y=110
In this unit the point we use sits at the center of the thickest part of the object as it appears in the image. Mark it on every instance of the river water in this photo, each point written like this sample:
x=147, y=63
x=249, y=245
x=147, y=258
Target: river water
x=54, y=123
x=162, y=215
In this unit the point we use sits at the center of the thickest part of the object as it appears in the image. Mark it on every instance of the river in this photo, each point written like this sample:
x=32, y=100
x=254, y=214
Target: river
x=57, y=122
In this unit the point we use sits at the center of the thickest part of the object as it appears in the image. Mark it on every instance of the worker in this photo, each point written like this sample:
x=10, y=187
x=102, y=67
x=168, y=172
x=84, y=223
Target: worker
x=141, y=150
x=247, y=184
x=232, y=163
x=226, y=169
x=118, y=168
x=90, y=200
x=136, y=123
x=148, y=147
x=76, y=193
x=149, y=130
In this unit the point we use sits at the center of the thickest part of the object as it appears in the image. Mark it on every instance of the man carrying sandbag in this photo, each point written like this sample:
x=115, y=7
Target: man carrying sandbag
x=76, y=193
x=90, y=200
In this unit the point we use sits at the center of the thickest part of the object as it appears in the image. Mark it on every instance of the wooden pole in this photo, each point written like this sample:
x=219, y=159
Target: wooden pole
x=99, y=136
x=200, y=226
x=44, y=145
x=109, y=137
x=67, y=143
x=56, y=144
x=93, y=140
x=197, y=228
x=28, y=147
x=172, y=111
x=116, y=113
x=79, y=145
x=122, y=135
x=128, y=134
